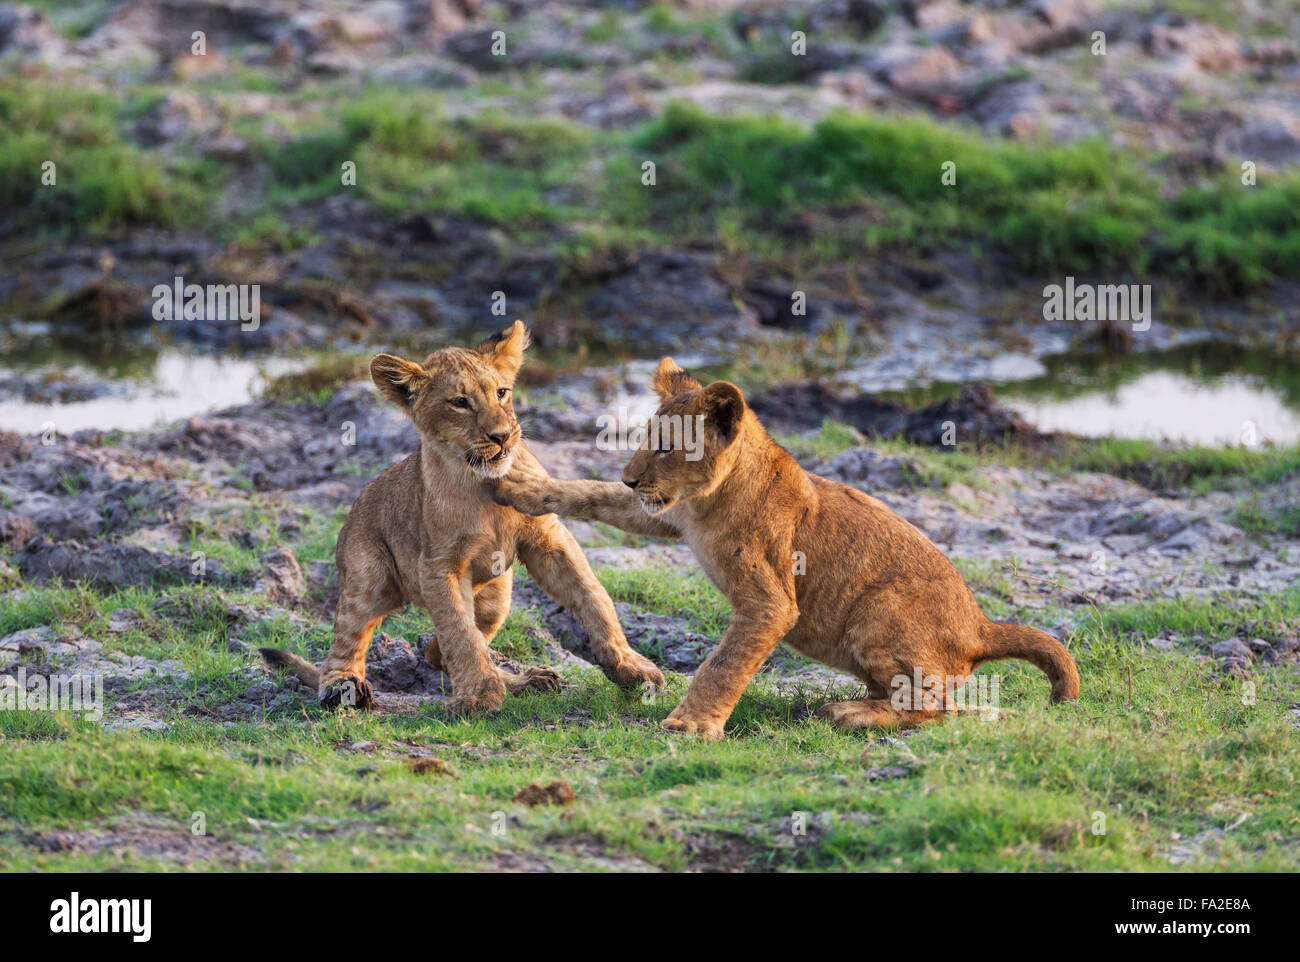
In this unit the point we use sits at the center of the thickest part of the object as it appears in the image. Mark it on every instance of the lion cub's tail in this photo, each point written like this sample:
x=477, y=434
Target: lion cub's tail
x=1039, y=649
x=298, y=666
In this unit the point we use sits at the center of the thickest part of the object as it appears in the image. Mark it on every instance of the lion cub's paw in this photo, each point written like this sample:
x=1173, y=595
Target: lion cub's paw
x=540, y=678
x=525, y=496
x=709, y=731
x=486, y=698
x=348, y=691
x=634, y=671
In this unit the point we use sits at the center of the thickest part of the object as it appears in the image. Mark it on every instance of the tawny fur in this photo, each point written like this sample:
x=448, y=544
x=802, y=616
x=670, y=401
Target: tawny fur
x=821, y=566
x=427, y=532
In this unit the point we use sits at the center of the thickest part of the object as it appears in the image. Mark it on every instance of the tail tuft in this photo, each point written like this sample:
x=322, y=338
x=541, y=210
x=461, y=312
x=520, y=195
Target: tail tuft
x=296, y=665
x=1039, y=649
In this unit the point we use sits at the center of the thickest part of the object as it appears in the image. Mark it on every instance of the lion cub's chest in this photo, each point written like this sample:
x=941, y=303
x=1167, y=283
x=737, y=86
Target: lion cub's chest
x=483, y=540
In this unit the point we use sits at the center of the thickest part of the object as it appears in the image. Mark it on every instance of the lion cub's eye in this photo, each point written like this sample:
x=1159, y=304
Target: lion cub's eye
x=460, y=402
x=502, y=392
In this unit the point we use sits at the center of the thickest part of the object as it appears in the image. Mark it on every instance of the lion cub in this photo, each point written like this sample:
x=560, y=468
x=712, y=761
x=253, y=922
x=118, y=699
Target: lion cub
x=819, y=565
x=428, y=532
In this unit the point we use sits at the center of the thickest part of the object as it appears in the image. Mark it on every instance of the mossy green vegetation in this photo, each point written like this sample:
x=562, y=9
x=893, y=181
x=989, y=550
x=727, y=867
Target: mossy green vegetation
x=101, y=180
x=1079, y=207
x=849, y=182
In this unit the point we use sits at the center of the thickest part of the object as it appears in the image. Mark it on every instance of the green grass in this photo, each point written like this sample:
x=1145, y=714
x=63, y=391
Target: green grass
x=691, y=595
x=755, y=186
x=103, y=181
x=1085, y=206
x=1158, y=744
x=1258, y=520
x=410, y=156
x=1192, y=468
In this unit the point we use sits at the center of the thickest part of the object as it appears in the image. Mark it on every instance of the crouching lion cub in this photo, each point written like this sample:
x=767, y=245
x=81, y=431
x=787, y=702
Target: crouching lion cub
x=819, y=565
x=428, y=532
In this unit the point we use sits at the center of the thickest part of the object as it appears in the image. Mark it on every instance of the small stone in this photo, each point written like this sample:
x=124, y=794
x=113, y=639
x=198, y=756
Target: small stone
x=888, y=771
x=122, y=620
x=1232, y=649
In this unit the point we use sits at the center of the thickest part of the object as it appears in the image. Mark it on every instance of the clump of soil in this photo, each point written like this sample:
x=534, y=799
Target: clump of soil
x=556, y=793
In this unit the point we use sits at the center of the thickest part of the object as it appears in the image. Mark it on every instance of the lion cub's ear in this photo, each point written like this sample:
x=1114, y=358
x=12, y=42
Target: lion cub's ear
x=506, y=350
x=723, y=407
x=397, y=378
x=671, y=379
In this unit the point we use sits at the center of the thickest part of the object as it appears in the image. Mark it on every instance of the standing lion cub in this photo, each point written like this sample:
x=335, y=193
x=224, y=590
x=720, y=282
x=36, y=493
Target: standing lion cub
x=819, y=565
x=428, y=532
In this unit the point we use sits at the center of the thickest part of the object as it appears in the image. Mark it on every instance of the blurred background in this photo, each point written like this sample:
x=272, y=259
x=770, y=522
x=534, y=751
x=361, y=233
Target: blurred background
x=634, y=179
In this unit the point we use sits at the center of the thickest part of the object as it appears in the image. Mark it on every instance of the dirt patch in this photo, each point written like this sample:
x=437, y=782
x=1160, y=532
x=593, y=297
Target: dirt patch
x=973, y=416
x=177, y=846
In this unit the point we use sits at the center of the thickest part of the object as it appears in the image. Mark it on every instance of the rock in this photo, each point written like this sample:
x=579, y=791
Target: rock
x=870, y=470
x=666, y=301
x=106, y=565
x=925, y=73
x=887, y=772
x=1270, y=137
x=16, y=529
x=437, y=18
x=774, y=306
x=122, y=620
x=1209, y=47
x=281, y=579
x=867, y=15
x=1232, y=648
x=392, y=665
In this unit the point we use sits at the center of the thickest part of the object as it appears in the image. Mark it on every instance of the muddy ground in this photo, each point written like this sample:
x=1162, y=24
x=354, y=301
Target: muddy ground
x=119, y=512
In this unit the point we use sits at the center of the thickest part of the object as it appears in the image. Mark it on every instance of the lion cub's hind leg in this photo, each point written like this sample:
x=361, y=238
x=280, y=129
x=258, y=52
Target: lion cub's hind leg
x=491, y=608
x=366, y=594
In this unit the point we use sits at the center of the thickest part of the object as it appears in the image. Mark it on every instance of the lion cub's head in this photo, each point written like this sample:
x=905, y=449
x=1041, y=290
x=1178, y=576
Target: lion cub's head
x=461, y=399
x=690, y=440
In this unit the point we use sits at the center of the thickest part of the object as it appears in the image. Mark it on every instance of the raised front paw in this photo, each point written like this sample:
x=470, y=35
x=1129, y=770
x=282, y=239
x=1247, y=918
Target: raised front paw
x=707, y=729
x=484, y=698
x=634, y=671
x=345, y=691
x=527, y=496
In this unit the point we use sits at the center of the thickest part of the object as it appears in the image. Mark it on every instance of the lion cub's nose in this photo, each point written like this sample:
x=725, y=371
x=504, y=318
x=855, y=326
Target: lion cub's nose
x=500, y=438
x=631, y=484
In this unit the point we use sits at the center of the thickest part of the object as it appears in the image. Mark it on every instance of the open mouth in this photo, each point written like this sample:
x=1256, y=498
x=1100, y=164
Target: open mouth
x=477, y=459
x=653, y=506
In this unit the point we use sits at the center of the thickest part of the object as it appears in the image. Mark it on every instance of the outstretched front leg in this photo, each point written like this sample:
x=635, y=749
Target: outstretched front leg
x=557, y=564
x=721, y=680
x=530, y=490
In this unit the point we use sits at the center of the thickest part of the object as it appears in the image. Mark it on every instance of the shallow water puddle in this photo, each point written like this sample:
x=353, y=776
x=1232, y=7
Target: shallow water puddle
x=1164, y=405
x=177, y=386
